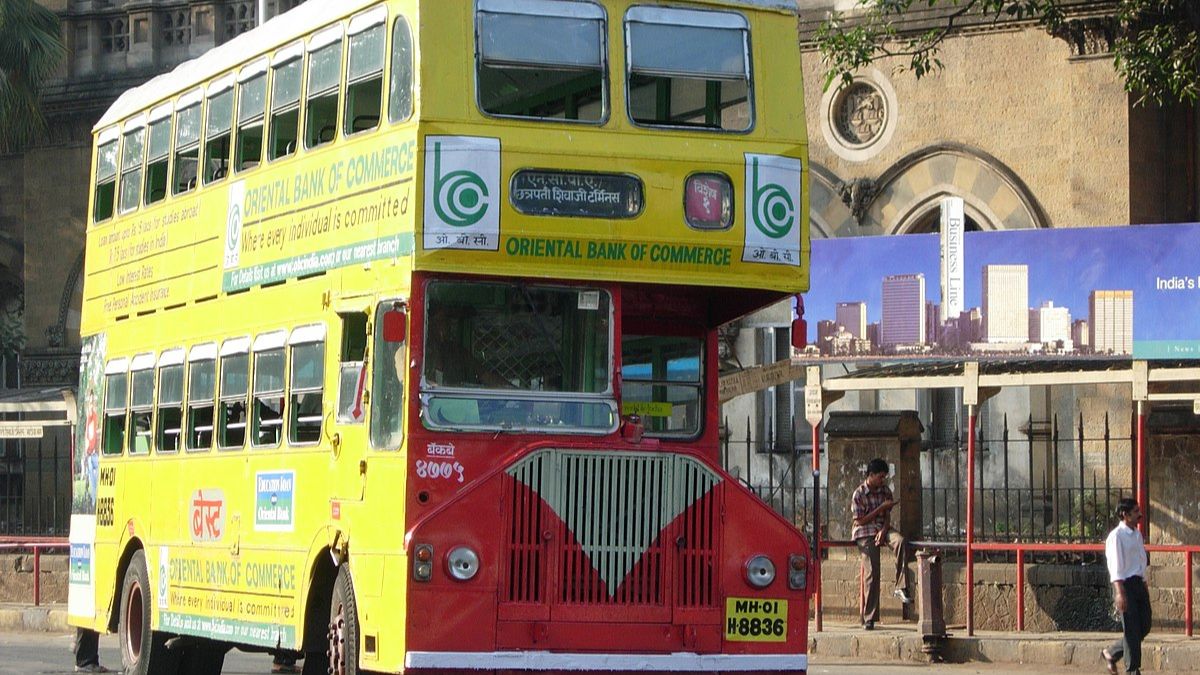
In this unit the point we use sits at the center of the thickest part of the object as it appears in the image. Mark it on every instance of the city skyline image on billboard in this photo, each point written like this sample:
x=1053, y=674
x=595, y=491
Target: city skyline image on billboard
x=1100, y=292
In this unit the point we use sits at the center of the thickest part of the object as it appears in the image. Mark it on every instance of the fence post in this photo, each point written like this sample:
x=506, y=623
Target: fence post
x=970, y=519
x=816, y=543
x=37, y=575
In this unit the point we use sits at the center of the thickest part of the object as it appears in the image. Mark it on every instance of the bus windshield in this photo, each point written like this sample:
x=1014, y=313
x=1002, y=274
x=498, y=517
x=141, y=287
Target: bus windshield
x=517, y=356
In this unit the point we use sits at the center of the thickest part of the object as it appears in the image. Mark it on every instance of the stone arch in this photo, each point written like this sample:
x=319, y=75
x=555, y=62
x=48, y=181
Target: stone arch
x=994, y=197
x=828, y=214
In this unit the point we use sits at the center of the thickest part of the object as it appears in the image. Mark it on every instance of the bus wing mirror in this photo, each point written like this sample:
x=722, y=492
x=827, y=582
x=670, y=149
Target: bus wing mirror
x=395, y=324
x=799, y=325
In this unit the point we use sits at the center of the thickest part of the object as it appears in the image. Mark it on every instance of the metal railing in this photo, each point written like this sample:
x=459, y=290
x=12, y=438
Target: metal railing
x=37, y=545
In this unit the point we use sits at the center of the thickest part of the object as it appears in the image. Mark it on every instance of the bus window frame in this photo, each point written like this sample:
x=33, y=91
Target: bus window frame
x=313, y=334
x=291, y=54
x=511, y=7
x=114, y=370
x=410, y=76
x=219, y=87
x=747, y=52
x=373, y=356
x=375, y=18
x=184, y=105
x=202, y=353
x=170, y=358
x=141, y=368
x=109, y=138
x=136, y=126
x=260, y=68
x=700, y=384
x=238, y=346
x=271, y=343
x=159, y=114
x=326, y=38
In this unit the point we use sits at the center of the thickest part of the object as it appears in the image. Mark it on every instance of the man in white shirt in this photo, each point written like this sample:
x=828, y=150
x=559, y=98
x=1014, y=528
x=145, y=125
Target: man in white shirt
x=1126, y=554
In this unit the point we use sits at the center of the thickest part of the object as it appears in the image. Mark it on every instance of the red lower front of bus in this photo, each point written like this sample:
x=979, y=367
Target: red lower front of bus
x=608, y=561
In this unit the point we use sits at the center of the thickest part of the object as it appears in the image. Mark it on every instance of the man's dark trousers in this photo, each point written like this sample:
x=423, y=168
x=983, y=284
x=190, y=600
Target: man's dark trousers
x=1135, y=622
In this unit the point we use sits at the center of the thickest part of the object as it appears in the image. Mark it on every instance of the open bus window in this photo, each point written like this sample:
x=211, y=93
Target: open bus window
x=285, y=108
x=267, y=421
x=169, y=413
x=324, y=78
x=217, y=133
x=187, y=148
x=131, y=167
x=662, y=382
x=688, y=68
x=400, y=93
x=141, y=410
x=116, y=394
x=202, y=388
x=364, y=73
x=157, y=154
x=542, y=59
x=350, y=368
x=308, y=387
x=231, y=408
x=252, y=106
x=106, y=181
x=388, y=365
x=517, y=356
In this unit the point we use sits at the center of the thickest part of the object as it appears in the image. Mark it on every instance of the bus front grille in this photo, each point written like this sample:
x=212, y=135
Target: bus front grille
x=612, y=529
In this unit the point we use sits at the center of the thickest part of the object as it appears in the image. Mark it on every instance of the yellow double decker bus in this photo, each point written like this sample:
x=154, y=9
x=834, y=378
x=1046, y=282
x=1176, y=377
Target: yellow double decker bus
x=400, y=341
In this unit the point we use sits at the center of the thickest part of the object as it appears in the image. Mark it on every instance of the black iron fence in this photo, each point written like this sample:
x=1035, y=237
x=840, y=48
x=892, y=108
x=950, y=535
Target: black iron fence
x=1048, y=482
x=35, y=485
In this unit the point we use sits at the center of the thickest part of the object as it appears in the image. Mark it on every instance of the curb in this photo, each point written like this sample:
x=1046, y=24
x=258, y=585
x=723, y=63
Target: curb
x=26, y=619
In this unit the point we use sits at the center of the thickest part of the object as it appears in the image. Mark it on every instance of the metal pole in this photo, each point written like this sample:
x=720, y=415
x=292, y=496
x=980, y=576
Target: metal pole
x=816, y=542
x=1140, y=472
x=1187, y=592
x=1020, y=589
x=37, y=575
x=970, y=519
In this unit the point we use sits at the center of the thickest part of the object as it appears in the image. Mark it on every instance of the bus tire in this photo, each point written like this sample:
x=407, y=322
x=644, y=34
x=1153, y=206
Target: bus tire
x=343, y=626
x=143, y=651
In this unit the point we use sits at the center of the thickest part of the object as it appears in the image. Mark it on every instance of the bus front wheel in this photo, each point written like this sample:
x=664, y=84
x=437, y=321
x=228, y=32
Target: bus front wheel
x=143, y=651
x=343, y=626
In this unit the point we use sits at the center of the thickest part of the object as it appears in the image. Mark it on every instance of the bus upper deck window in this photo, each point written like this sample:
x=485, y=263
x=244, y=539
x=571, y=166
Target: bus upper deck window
x=217, y=131
x=364, y=72
x=157, y=153
x=688, y=68
x=285, y=103
x=541, y=58
x=324, y=78
x=132, y=149
x=187, y=144
x=106, y=178
x=252, y=106
x=400, y=91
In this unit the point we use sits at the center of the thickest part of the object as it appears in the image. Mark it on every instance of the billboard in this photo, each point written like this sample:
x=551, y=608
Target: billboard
x=1125, y=292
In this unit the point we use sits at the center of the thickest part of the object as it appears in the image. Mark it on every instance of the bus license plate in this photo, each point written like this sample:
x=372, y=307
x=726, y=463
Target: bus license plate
x=755, y=620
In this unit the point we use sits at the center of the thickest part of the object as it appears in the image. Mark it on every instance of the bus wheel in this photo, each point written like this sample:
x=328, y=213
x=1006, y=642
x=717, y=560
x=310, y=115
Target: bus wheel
x=143, y=651
x=343, y=626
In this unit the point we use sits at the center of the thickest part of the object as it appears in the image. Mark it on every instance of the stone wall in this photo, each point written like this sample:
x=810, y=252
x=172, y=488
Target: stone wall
x=16, y=578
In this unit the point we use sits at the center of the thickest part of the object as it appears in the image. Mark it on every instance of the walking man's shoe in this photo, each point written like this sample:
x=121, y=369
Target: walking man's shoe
x=869, y=625
x=1109, y=661
x=92, y=668
x=903, y=595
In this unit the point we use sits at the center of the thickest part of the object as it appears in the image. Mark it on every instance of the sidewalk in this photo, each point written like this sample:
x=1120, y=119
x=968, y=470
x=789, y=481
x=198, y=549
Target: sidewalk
x=1161, y=652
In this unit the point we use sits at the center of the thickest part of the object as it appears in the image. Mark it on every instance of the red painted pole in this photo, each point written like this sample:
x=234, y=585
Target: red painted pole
x=816, y=473
x=1142, y=484
x=1187, y=592
x=37, y=575
x=1020, y=589
x=970, y=519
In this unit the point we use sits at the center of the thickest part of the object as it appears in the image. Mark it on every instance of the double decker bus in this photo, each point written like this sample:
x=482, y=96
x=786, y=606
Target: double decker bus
x=400, y=341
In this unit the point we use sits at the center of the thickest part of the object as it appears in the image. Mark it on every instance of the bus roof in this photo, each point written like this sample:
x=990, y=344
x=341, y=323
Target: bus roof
x=290, y=25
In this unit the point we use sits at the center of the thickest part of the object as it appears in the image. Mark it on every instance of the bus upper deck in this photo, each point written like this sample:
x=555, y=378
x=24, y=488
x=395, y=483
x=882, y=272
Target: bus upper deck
x=645, y=148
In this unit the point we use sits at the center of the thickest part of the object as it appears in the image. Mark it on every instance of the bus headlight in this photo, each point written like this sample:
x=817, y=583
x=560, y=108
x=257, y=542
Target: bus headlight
x=423, y=562
x=797, y=572
x=760, y=571
x=463, y=563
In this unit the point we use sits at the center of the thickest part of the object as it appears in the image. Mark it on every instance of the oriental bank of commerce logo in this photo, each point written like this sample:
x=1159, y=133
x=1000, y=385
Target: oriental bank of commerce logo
x=233, y=224
x=462, y=181
x=773, y=210
x=460, y=197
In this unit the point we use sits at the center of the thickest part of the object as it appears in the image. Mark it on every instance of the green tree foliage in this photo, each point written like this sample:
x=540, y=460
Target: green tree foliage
x=1156, y=50
x=30, y=50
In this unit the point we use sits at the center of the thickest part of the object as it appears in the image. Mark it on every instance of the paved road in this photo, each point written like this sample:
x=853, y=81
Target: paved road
x=49, y=653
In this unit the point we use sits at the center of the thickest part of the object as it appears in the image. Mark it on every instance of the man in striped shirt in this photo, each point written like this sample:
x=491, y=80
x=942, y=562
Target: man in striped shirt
x=871, y=507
